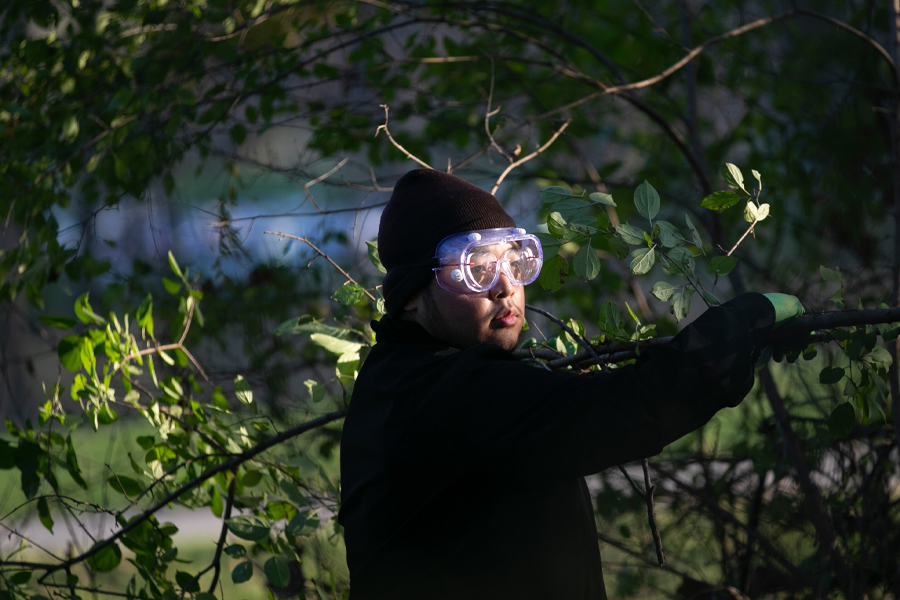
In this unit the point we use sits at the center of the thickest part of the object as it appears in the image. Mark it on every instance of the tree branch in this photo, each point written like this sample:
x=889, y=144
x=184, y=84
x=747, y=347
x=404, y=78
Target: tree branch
x=186, y=487
x=798, y=327
x=525, y=159
x=326, y=257
x=396, y=144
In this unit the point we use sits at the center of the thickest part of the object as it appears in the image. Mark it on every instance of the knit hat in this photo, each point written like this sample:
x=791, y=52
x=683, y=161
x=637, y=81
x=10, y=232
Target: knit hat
x=426, y=207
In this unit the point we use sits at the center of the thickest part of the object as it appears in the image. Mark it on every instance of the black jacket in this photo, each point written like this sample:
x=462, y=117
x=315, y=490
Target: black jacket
x=462, y=469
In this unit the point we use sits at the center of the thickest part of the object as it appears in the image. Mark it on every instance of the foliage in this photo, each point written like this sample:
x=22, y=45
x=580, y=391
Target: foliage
x=106, y=105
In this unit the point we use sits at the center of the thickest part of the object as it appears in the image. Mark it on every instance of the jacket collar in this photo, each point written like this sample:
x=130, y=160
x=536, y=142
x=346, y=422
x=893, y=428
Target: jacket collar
x=401, y=331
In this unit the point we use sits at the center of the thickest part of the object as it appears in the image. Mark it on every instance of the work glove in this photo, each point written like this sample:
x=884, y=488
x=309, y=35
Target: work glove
x=786, y=306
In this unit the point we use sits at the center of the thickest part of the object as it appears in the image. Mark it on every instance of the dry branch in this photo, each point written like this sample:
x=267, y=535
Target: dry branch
x=798, y=328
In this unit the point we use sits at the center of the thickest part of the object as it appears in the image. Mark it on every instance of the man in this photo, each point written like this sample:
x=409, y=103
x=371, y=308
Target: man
x=462, y=468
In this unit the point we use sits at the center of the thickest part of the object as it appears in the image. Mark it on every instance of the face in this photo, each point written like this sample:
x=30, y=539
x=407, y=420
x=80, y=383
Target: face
x=463, y=320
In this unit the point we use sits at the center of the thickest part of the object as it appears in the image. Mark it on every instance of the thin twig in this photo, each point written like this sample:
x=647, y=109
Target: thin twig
x=651, y=513
x=746, y=233
x=397, y=144
x=525, y=159
x=634, y=484
x=581, y=341
x=487, y=119
x=229, y=502
x=309, y=184
x=326, y=257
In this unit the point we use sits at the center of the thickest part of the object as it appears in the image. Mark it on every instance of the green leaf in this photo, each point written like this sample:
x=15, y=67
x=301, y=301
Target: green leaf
x=72, y=464
x=303, y=523
x=695, y=235
x=168, y=183
x=721, y=265
x=238, y=134
x=70, y=128
x=710, y=298
x=292, y=493
x=333, y=344
x=721, y=200
x=144, y=314
x=553, y=273
x=630, y=234
x=248, y=528
x=556, y=225
x=762, y=211
x=58, y=322
x=348, y=294
x=69, y=351
x=642, y=260
x=646, y=200
x=242, y=572
x=251, y=478
x=683, y=258
x=842, y=421
x=21, y=578
x=751, y=212
x=669, y=236
x=610, y=319
x=85, y=312
x=307, y=325
x=829, y=276
x=601, y=198
x=554, y=193
x=215, y=501
x=106, y=559
x=44, y=513
x=315, y=390
x=173, y=264
x=187, y=582
x=681, y=303
x=125, y=485
x=830, y=375
x=277, y=572
x=733, y=177
x=242, y=390
x=236, y=551
x=663, y=290
x=571, y=207
x=172, y=286
x=757, y=176
x=586, y=263
x=374, y=257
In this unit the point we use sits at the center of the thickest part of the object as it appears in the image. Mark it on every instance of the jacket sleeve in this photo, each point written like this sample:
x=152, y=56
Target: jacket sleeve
x=480, y=409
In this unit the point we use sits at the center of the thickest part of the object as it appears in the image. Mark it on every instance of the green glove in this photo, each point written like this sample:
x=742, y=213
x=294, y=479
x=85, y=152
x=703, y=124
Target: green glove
x=786, y=307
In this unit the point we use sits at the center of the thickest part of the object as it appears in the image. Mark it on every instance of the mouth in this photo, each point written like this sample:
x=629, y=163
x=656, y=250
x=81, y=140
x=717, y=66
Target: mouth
x=507, y=318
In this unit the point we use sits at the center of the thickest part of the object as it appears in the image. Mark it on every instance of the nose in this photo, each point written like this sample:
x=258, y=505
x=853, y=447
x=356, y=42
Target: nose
x=504, y=286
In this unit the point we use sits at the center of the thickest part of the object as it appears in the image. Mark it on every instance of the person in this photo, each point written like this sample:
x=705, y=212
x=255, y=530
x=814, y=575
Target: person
x=462, y=467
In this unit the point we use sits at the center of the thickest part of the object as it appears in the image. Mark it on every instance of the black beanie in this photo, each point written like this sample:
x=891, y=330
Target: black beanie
x=426, y=207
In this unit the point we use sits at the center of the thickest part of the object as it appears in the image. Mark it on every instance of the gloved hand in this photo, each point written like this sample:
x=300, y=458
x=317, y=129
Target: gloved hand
x=786, y=306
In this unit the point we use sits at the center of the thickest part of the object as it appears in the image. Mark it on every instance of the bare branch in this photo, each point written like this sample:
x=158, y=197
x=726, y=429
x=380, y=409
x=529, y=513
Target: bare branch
x=525, y=159
x=746, y=233
x=797, y=328
x=395, y=143
x=326, y=257
x=651, y=514
x=309, y=184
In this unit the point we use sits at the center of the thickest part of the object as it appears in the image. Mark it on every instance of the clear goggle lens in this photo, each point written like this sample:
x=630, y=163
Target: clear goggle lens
x=472, y=262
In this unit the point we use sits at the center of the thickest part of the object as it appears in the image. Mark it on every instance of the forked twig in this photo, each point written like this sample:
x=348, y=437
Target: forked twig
x=396, y=144
x=525, y=159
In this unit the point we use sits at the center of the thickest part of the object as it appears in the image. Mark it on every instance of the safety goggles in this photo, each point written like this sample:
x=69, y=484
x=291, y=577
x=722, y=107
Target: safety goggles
x=471, y=262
